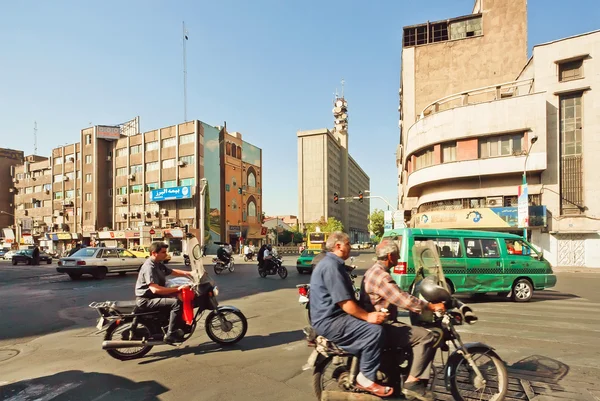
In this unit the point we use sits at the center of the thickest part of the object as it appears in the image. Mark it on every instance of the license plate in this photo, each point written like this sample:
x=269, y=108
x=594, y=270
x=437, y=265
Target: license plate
x=100, y=323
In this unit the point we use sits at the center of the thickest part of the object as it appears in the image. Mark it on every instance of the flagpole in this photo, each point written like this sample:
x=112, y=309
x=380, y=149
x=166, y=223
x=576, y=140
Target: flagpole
x=184, y=38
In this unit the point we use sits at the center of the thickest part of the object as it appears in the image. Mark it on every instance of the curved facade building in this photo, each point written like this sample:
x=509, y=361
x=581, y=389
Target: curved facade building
x=476, y=116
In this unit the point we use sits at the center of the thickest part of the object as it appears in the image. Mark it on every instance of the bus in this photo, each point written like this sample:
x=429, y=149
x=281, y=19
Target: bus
x=316, y=240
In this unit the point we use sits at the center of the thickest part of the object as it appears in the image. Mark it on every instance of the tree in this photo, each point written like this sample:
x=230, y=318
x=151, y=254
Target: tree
x=285, y=237
x=376, y=223
x=332, y=224
x=298, y=237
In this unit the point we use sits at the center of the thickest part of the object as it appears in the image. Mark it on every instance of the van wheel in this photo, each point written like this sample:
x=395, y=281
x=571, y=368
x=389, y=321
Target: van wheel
x=450, y=286
x=522, y=290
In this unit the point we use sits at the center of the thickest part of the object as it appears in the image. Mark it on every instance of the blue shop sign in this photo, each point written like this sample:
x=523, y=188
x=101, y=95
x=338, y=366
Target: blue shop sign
x=165, y=194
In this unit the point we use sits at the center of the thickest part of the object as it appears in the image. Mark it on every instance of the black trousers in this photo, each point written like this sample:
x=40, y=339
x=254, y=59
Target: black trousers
x=398, y=334
x=174, y=304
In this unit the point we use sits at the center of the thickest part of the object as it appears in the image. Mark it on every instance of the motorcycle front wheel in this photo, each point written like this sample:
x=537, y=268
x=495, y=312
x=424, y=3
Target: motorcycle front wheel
x=231, y=266
x=124, y=332
x=282, y=272
x=227, y=329
x=466, y=385
x=218, y=268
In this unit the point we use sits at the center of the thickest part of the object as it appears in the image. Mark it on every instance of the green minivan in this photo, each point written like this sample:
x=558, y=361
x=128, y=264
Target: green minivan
x=477, y=262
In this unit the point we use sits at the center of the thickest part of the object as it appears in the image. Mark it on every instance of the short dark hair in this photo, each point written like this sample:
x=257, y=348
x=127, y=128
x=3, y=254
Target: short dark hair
x=155, y=247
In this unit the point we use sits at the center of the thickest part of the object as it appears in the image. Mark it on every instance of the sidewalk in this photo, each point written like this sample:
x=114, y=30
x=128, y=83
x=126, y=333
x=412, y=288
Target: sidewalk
x=575, y=269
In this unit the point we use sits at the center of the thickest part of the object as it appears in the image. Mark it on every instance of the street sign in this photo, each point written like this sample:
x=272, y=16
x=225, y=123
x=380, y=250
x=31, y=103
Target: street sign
x=387, y=220
x=399, y=219
x=152, y=232
x=523, y=207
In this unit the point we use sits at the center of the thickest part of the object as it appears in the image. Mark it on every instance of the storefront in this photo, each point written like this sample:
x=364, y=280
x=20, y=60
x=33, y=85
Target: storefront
x=254, y=234
x=174, y=238
x=112, y=239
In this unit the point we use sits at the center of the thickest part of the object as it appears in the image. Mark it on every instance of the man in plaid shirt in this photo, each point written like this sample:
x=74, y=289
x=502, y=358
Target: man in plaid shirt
x=380, y=292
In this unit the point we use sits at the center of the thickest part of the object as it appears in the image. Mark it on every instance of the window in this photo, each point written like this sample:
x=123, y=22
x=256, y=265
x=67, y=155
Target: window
x=187, y=159
x=58, y=195
x=228, y=148
x=47, y=203
x=121, y=171
x=88, y=159
x=110, y=192
x=151, y=166
x=448, y=152
x=442, y=31
x=37, y=188
x=251, y=209
x=505, y=145
x=88, y=196
x=519, y=248
x=121, y=152
x=187, y=182
x=88, y=216
x=251, y=179
x=136, y=189
x=168, y=142
x=168, y=163
x=58, y=178
x=136, y=168
x=122, y=191
x=169, y=184
x=570, y=70
x=70, y=176
x=88, y=178
x=29, y=190
x=151, y=145
x=188, y=138
x=135, y=149
x=79, y=174
x=58, y=161
x=70, y=194
x=466, y=28
x=88, y=139
x=233, y=150
x=571, y=154
x=482, y=248
x=47, y=187
x=151, y=185
x=110, y=253
x=424, y=159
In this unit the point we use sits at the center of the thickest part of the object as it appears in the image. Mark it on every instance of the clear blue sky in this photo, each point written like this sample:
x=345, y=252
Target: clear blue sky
x=268, y=68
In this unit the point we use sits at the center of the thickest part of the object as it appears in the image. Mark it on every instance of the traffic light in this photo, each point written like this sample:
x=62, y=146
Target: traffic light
x=336, y=198
x=360, y=196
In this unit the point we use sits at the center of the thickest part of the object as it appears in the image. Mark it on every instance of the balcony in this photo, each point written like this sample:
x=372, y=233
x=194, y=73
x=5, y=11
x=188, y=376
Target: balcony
x=492, y=110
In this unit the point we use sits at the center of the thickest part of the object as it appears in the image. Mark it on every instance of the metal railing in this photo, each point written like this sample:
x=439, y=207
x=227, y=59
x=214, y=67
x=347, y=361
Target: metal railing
x=479, y=95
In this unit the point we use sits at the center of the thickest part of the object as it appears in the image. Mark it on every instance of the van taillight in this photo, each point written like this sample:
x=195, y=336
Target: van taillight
x=80, y=262
x=400, y=268
x=302, y=291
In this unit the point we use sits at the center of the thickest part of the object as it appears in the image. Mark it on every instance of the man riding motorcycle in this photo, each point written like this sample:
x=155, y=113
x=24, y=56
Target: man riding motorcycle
x=379, y=292
x=224, y=254
x=151, y=293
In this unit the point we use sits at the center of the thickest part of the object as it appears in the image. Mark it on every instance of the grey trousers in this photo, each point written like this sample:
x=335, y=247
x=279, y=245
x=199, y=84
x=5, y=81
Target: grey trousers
x=398, y=334
x=173, y=304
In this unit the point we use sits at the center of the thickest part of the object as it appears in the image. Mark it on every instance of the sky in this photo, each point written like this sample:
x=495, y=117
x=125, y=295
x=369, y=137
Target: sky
x=267, y=67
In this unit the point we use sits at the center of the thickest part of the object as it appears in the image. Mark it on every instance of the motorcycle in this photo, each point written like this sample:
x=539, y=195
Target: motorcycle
x=131, y=332
x=471, y=371
x=220, y=265
x=304, y=290
x=186, y=260
x=276, y=267
x=249, y=257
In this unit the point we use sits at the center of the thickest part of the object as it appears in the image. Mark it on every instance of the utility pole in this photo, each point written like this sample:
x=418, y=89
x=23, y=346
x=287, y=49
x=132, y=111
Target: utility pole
x=35, y=137
x=184, y=39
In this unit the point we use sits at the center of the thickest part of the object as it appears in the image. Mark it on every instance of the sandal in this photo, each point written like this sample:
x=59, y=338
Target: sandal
x=377, y=389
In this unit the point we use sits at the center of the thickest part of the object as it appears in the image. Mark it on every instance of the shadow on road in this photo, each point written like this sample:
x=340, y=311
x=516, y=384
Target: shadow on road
x=81, y=386
x=248, y=343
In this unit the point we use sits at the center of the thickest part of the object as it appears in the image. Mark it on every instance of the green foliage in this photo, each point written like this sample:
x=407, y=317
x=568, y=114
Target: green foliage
x=376, y=223
x=329, y=226
x=298, y=237
x=285, y=237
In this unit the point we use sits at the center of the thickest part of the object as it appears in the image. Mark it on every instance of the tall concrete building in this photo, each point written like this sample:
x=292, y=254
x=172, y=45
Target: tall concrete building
x=9, y=158
x=325, y=167
x=122, y=187
x=476, y=116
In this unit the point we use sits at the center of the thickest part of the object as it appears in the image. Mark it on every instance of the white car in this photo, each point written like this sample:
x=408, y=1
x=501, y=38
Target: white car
x=8, y=255
x=97, y=262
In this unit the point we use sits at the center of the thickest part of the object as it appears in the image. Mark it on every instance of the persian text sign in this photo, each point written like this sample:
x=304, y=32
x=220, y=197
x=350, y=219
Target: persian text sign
x=165, y=194
x=523, y=207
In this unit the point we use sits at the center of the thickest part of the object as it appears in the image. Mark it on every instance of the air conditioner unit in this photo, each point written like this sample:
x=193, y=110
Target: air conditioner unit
x=68, y=203
x=135, y=214
x=25, y=212
x=15, y=180
x=494, y=201
x=181, y=163
x=70, y=159
x=132, y=176
x=122, y=199
x=124, y=215
x=164, y=212
x=156, y=213
x=58, y=213
x=66, y=178
x=47, y=192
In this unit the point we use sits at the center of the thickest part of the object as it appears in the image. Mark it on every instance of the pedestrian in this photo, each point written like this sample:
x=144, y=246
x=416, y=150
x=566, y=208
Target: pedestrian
x=36, y=255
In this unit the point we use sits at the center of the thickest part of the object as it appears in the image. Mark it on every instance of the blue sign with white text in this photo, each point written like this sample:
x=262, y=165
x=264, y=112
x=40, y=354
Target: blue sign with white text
x=165, y=194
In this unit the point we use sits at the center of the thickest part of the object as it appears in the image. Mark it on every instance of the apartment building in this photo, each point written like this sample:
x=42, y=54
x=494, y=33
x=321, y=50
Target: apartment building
x=9, y=158
x=471, y=132
x=120, y=187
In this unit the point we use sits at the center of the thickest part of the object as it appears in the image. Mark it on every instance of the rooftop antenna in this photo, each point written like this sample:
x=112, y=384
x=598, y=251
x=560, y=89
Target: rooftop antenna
x=343, y=82
x=35, y=137
x=184, y=39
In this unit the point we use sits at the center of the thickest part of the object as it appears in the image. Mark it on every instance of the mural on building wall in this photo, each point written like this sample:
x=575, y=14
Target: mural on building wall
x=251, y=154
x=212, y=172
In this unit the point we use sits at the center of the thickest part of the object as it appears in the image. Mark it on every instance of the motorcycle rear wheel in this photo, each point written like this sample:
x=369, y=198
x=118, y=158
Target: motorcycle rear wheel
x=234, y=322
x=123, y=332
x=262, y=273
x=464, y=385
x=282, y=271
x=330, y=376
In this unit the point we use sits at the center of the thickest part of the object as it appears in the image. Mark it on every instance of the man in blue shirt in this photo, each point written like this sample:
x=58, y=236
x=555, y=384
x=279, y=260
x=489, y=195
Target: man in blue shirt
x=336, y=315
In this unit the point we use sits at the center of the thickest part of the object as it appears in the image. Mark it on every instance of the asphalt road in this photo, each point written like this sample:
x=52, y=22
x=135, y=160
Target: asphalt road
x=48, y=351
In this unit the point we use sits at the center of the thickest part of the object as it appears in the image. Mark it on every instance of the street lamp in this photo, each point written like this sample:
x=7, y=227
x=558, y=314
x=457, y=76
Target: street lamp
x=534, y=139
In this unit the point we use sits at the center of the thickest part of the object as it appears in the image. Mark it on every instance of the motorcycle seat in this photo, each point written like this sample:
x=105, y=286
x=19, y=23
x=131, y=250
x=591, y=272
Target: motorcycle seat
x=124, y=306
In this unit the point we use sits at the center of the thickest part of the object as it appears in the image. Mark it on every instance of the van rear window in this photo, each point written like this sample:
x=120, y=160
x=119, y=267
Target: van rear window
x=446, y=247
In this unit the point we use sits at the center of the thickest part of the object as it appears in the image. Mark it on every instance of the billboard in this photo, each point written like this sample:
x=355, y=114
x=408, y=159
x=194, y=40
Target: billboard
x=107, y=132
x=489, y=218
x=523, y=207
x=173, y=193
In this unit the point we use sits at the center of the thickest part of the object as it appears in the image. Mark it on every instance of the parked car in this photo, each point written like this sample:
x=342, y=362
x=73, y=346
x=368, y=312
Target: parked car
x=26, y=256
x=144, y=252
x=8, y=255
x=97, y=262
x=3, y=251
